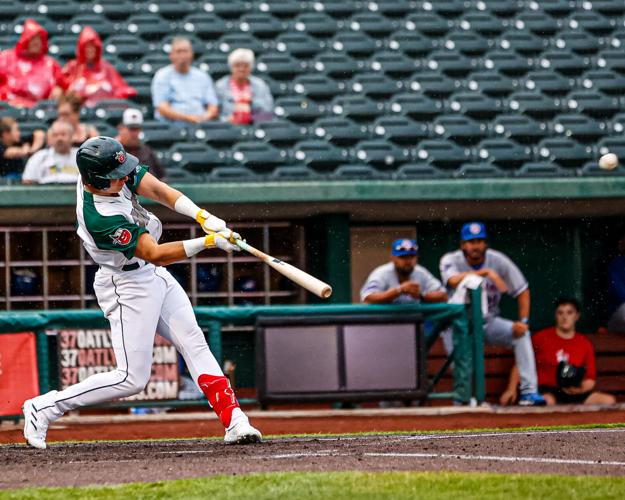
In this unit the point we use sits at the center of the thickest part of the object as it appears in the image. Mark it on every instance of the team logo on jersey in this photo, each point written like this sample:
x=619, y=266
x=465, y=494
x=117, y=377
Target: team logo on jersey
x=120, y=156
x=121, y=236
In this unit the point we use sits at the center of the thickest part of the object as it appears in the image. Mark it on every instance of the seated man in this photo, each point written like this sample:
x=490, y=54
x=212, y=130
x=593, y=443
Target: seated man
x=13, y=152
x=55, y=164
x=565, y=363
x=402, y=280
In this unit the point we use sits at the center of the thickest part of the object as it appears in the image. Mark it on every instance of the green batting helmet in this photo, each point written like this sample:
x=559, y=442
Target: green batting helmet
x=101, y=159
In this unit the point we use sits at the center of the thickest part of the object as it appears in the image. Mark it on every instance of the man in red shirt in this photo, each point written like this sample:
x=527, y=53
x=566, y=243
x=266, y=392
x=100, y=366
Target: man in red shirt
x=557, y=349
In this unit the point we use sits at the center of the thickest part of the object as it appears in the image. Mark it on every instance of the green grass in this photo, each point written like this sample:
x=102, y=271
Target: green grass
x=347, y=485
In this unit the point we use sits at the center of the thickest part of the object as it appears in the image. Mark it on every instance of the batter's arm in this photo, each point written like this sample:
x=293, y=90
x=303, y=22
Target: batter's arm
x=157, y=190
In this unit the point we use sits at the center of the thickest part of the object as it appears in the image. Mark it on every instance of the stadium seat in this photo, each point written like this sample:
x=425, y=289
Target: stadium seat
x=204, y=25
x=355, y=44
x=298, y=45
x=520, y=128
x=390, y=8
x=28, y=127
x=176, y=174
x=282, y=9
x=63, y=47
x=565, y=62
x=215, y=64
x=548, y=82
x=339, y=131
x=501, y=8
x=279, y=66
x=533, y=104
x=355, y=172
x=394, y=64
x=481, y=22
x=142, y=84
x=617, y=124
x=7, y=110
x=491, y=83
x=335, y=64
x=230, y=41
x=475, y=105
x=111, y=110
x=172, y=9
x=611, y=59
x=541, y=169
x=231, y=173
x=319, y=155
x=466, y=42
x=441, y=153
x=416, y=106
x=451, y=63
x=592, y=169
x=148, y=26
x=9, y=9
x=113, y=9
x=556, y=8
x=104, y=128
x=432, y=83
x=400, y=130
x=411, y=43
x=448, y=9
x=317, y=86
x=226, y=9
x=358, y=108
x=581, y=128
x=148, y=65
x=379, y=153
x=565, y=152
x=261, y=25
x=126, y=47
x=429, y=24
x=218, y=134
x=317, y=24
x=277, y=88
x=460, y=129
x=373, y=85
x=504, y=153
x=592, y=22
x=608, y=7
x=593, y=103
x=483, y=170
x=539, y=23
x=614, y=145
x=298, y=110
x=373, y=24
x=507, y=62
x=259, y=156
x=58, y=10
x=419, y=171
x=101, y=24
x=576, y=41
x=195, y=157
x=162, y=135
x=293, y=173
x=523, y=42
x=44, y=111
x=280, y=133
x=53, y=28
x=607, y=82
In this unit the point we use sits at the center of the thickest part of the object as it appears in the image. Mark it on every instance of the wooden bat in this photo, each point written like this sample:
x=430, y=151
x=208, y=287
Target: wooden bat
x=305, y=280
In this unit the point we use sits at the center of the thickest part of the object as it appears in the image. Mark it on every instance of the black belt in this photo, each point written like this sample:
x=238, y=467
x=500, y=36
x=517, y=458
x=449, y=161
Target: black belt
x=131, y=267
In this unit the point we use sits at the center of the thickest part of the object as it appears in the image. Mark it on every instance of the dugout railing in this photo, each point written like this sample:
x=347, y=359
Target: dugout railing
x=465, y=321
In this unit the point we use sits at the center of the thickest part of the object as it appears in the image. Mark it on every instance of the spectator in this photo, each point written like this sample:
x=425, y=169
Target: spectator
x=181, y=93
x=55, y=164
x=616, y=290
x=90, y=76
x=69, y=110
x=27, y=73
x=402, y=280
x=500, y=275
x=13, y=153
x=565, y=361
x=244, y=98
x=129, y=134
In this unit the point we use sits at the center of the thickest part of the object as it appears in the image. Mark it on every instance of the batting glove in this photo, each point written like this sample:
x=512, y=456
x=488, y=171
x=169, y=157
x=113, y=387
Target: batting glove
x=211, y=224
x=222, y=240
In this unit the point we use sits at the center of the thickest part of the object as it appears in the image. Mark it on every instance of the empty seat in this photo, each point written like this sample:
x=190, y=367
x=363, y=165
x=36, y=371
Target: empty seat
x=507, y=62
x=227, y=9
x=447, y=8
x=279, y=66
x=111, y=110
x=149, y=64
x=466, y=42
x=614, y=145
x=539, y=23
x=358, y=108
x=215, y=64
x=522, y=42
x=9, y=9
x=298, y=45
x=63, y=47
x=475, y=105
x=355, y=172
x=460, y=129
x=565, y=152
x=501, y=8
x=556, y=8
x=375, y=25
x=564, y=62
x=356, y=44
x=592, y=169
x=279, y=88
x=504, y=153
x=205, y=25
x=374, y=85
x=53, y=28
x=419, y=171
x=429, y=24
x=483, y=170
x=548, y=82
x=260, y=25
x=231, y=173
x=441, y=153
x=280, y=132
x=541, y=169
x=593, y=104
x=142, y=84
x=394, y=64
x=411, y=43
x=230, y=41
x=113, y=9
x=608, y=7
x=416, y=106
x=148, y=26
x=400, y=130
x=101, y=24
x=316, y=24
x=381, y=154
x=432, y=83
x=592, y=22
x=293, y=173
x=195, y=157
x=335, y=64
x=283, y=9
x=338, y=9
x=103, y=128
x=608, y=82
x=491, y=83
x=317, y=87
x=390, y=8
x=59, y=10
x=259, y=156
x=579, y=127
x=339, y=131
x=520, y=128
x=172, y=9
x=319, y=155
x=482, y=22
x=534, y=104
x=126, y=47
x=299, y=110
x=218, y=134
x=7, y=110
x=617, y=124
x=160, y=134
x=451, y=63
x=44, y=110
x=576, y=41
x=611, y=59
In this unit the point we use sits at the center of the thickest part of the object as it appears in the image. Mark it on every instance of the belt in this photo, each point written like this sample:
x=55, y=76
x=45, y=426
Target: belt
x=131, y=267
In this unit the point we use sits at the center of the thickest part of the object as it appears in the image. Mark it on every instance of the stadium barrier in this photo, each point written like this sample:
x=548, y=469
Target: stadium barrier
x=465, y=322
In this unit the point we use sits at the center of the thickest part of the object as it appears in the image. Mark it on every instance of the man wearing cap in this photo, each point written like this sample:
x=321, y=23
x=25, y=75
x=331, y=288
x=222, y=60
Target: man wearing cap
x=402, y=280
x=501, y=275
x=129, y=134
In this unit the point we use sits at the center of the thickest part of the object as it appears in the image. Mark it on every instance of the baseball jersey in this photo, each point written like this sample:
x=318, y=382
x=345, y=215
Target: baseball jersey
x=47, y=167
x=385, y=277
x=550, y=349
x=454, y=263
x=110, y=226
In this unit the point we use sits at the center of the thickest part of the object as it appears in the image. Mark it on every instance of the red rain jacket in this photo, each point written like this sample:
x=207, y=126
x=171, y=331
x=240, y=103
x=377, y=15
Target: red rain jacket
x=93, y=82
x=24, y=80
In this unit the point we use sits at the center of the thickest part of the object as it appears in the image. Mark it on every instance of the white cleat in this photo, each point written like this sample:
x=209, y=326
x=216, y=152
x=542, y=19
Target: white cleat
x=35, y=425
x=242, y=433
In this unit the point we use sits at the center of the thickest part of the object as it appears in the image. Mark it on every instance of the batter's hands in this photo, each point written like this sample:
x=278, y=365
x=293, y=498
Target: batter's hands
x=519, y=329
x=223, y=240
x=411, y=288
x=210, y=223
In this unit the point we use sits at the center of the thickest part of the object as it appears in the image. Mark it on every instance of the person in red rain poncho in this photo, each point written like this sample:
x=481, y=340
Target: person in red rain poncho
x=27, y=73
x=90, y=76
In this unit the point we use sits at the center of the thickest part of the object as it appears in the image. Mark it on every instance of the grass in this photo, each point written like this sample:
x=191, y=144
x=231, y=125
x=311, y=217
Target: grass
x=348, y=485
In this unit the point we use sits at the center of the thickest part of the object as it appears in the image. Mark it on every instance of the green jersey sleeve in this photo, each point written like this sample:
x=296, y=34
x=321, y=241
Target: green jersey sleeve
x=140, y=171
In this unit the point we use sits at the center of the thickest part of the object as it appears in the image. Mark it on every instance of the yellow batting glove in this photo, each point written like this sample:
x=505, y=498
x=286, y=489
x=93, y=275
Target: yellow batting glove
x=209, y=222
x=222, y=240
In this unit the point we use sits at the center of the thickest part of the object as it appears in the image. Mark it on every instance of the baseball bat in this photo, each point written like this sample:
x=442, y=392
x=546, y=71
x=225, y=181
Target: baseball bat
x=303, y=279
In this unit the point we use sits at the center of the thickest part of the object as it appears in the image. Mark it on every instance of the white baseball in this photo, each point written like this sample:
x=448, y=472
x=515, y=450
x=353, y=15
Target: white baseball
x=608, y=161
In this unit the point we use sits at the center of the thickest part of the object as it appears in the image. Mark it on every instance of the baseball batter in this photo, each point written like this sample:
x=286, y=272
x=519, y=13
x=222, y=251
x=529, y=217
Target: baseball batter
x=136, y=293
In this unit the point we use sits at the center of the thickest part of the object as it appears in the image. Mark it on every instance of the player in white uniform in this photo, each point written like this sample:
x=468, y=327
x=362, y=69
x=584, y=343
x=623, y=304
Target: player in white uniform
x=136, y=293
x=501, y=276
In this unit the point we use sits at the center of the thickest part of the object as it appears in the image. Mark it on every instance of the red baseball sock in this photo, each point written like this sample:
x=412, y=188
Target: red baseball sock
x=220, y=396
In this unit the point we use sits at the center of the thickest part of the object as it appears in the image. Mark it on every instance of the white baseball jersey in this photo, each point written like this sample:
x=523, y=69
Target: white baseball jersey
x=110, y=226
x=385, y=277
x=48, y=167
x=454, y=263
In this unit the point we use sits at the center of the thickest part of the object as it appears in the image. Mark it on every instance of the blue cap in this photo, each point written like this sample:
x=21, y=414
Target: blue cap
x=404, y=247
x=473, y=231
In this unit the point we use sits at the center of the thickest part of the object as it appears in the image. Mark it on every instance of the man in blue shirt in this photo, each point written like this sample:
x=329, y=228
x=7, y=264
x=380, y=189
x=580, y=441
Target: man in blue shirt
x=181, y=93
x=616, y=290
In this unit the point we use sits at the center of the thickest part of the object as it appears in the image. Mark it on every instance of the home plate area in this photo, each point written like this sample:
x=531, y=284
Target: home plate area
x=575, y=452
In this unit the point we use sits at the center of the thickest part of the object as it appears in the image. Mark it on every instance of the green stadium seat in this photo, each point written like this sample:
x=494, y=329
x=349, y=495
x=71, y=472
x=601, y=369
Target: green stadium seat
x=111, y=110
x=379, y=153
x=565, y=152
x=507, y=62
x=319, y=155
x=282, y=9
x=298, y=45
x=101, y=24
x=556, y=8
x=279, y=66
x=542, y=169
x=374, y=85
x=62, y=47
x=260, y=25
x=592, y=169
x=356, y=172
x=27, y=128
x=608, y=7
x=394, y=64
x=593, y=103
x=104, y=128
x=429, y=24
x=226, y=9
x=8, y=41
x=400, y=130
x=162, y=135
x=142, y=84
x=411, y=43
x=441, y=153
x=432, y=83
x=175, y=174
x=339, y=131
x=45, y=111
x=416, y=106
x=614, y=145
x=592, y=22
x=116, y=10
x=466, y=42
x=475, y=105
x=149, y=64
x=523, y=42
x=172, y=9
x=451, y=63
x=297, y=109
x=503, y=153
x=316, y=24
x=218, y=134
x=204, y=25
x=195, y=157
x=548, y=82
x=355, y=44
x=390, y=8
x=617, y=124
x=259, y=156
x=581, y=128
x=232, y=173
x=277, y=88
x=58, y=10
x=419, y=171
x=293, y=173
x=373, y=24
x=148, y=26
x=611, y=59
x=533, y=104
x=491, y=83
x=447, y=8
x=7, y=110
x=460, y=129
x=338, y=9
x=215, y=64
x=501, y=8
x=564, y=62
x=481, y=170
x=539, y=23
x=318, y=87
x=335, y=64
x=230, y=41
x=482, y=22
x=607, y=82
x=9, y=9
x=54, y=28
x=519, y=128
x=280, y=133
x=358, y=108
x=126, y=47
x=576, y=41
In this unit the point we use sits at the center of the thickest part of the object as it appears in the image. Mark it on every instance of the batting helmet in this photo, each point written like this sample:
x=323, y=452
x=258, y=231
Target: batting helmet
x=101, y=159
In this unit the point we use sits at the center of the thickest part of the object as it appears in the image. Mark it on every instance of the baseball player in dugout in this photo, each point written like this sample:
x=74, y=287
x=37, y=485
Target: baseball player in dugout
x=500, y=275
x=136, y=292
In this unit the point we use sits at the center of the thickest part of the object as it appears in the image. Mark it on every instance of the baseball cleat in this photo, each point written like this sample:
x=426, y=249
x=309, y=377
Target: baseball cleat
x=35, y=425
x=242, y=433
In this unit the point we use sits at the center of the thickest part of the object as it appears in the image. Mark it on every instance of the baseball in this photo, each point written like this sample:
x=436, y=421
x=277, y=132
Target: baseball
x=608, y=161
